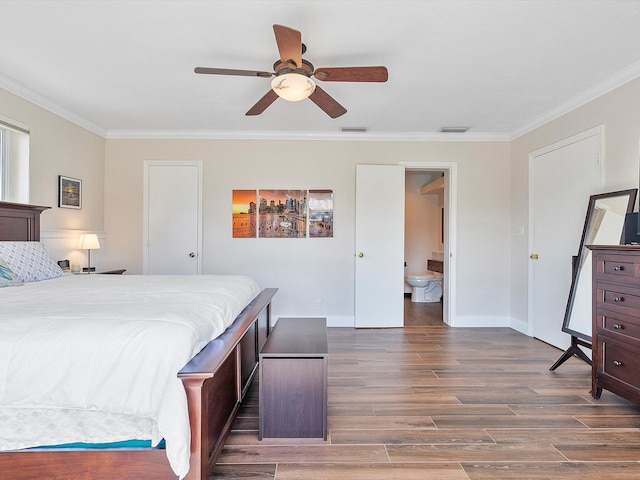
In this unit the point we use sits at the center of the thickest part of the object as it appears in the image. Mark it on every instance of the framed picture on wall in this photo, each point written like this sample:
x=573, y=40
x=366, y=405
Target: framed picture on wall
x=69, y=192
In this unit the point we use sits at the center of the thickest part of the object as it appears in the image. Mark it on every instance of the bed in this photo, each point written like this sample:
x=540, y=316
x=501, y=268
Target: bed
x=195, y=415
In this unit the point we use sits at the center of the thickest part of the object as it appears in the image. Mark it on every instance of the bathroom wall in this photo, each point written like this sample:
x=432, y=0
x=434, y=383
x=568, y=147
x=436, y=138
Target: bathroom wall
x=423, y=222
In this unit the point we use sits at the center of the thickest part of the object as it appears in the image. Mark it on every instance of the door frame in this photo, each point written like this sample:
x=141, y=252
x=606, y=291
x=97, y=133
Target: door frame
x=145, y=209
x=450, y=228
x=592, y=132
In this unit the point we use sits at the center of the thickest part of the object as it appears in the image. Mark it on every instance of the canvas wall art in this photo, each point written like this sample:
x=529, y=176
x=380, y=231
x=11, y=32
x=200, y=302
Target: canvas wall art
x=282, y=213
x=244, y=212
x=272, y=213
x=320, y=213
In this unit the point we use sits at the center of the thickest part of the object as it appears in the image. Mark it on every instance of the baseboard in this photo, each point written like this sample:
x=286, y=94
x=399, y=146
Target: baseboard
x=461, y=321
x=332, y=320
x=480, y=322
x=519, y=326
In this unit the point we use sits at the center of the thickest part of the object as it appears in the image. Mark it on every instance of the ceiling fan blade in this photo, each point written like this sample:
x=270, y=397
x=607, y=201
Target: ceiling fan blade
x=263, y=103
x=327, y=103
x=289, y=44
x=352, y=74
x=228, y=71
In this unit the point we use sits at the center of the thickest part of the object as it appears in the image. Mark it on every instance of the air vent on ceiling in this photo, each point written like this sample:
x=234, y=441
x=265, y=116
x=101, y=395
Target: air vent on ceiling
x=454, y=129
x=353, y=129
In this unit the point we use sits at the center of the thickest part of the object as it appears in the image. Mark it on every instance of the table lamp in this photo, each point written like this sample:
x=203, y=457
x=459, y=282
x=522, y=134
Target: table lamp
x=89, y=241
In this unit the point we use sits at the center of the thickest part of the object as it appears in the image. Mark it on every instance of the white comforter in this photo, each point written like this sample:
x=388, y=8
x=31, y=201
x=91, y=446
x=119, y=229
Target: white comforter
x=102, y=344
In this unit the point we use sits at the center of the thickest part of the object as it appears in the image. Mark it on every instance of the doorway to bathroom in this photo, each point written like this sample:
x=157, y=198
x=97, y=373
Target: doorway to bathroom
x=424, y=247
x=379, y=258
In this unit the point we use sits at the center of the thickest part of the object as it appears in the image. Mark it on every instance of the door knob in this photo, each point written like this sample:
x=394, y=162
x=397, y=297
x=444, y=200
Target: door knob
x=192, y=254
x=361, y=254
x=533, y=256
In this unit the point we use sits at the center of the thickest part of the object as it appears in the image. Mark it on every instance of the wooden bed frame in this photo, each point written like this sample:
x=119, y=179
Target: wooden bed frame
x=215, y=380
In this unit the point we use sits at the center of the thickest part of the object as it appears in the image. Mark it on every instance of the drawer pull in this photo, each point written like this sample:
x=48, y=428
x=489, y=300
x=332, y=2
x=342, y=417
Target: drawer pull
x=618, y=299
x=617, y=363
x=617, y=326
x=618, y=268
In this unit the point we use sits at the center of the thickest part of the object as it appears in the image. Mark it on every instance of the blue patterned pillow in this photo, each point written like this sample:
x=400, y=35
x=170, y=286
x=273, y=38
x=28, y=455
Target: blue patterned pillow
x=7, y=277
x=29, y=261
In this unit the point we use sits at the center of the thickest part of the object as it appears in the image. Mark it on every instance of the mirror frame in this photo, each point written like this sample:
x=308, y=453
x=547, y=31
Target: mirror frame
x=578, y=259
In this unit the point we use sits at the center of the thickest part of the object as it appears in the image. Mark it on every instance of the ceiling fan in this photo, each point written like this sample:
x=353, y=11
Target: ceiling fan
x=292, y=76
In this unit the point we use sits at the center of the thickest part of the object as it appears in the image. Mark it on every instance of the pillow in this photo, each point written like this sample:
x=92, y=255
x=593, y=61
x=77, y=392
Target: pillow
x=29, y=261
x=7, y=277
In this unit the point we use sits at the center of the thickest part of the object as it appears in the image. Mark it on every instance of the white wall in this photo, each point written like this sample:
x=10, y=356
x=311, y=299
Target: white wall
x=618, y=112
x=59, y=147
x=306, y=270
x=492, y=200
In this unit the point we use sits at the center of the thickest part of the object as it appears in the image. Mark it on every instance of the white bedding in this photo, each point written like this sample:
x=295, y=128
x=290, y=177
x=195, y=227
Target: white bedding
x=95, y=345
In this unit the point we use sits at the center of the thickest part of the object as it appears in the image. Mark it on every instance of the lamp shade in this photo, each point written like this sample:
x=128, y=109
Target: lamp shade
x=89, y=241
x=293, y=86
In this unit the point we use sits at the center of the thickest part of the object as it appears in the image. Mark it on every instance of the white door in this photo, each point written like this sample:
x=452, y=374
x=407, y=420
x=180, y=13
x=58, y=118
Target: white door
x=563, y=177
x=379, y=296
x=172, y=224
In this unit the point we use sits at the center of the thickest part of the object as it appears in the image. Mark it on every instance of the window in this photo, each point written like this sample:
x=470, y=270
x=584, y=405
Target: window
x=14, y=161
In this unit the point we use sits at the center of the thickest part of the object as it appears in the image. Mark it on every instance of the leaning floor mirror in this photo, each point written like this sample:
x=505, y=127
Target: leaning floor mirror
x=604, y=225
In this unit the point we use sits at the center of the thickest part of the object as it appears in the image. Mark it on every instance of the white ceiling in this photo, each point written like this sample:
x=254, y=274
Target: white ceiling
x=125, y=68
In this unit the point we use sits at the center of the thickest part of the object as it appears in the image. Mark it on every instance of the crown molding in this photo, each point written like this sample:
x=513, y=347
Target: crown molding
x=326, y=136
x=608, y=84
x=43, y=102
x=614, y=81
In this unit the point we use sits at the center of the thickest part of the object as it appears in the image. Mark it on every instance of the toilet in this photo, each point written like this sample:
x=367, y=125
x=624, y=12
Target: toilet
x=425, y=287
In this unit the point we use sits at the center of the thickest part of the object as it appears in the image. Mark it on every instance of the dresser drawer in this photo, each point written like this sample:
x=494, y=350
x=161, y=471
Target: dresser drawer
x=620, y=298
x=613, y=266
x=617, y=324
x=621, y=363
x=623, y=269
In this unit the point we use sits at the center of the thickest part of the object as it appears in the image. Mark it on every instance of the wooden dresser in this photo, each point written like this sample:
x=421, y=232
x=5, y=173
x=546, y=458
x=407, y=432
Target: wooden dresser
x=616, y=321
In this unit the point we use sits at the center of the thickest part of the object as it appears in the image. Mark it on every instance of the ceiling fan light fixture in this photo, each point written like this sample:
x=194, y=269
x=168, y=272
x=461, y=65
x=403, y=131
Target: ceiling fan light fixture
x=293, y=86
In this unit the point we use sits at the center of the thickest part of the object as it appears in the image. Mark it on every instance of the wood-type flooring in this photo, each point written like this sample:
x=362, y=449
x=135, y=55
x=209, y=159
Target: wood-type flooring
x=422, y=314
x=440, y=403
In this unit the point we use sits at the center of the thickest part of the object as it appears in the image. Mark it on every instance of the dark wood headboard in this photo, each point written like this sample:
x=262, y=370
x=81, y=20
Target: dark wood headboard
x=20, y=222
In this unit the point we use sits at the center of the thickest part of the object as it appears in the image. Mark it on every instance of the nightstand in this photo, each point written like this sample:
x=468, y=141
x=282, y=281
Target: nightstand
x=118, y=271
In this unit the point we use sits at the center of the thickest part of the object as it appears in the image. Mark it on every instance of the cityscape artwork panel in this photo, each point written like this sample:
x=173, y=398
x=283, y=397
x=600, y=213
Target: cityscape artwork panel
x=273, y=213
x=244, y=212
x=282, y=213
x=320, y=213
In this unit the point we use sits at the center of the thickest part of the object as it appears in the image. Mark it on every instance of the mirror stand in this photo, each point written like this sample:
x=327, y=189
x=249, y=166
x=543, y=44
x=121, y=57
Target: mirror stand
x=574, y=349
x=604, y=225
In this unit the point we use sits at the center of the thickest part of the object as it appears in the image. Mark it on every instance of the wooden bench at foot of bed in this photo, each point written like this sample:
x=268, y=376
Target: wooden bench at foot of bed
x=215, y=380
x=293, y=380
